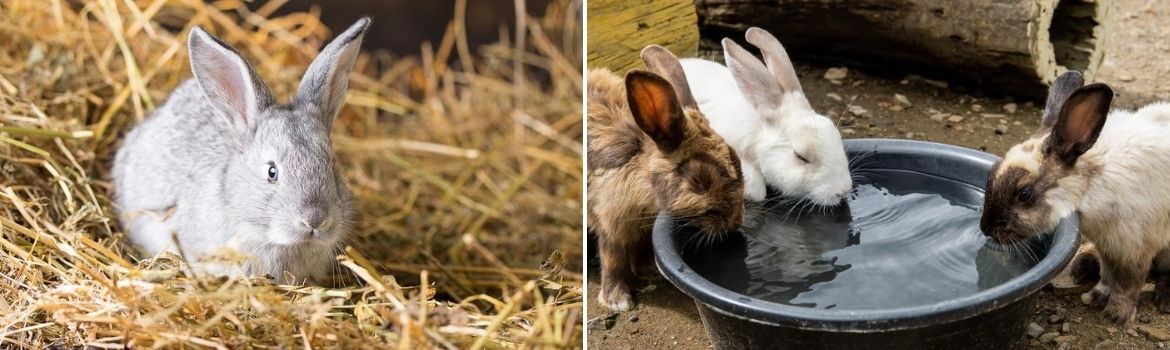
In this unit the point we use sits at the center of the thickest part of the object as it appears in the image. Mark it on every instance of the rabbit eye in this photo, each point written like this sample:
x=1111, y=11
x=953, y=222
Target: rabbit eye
x=272, y=174
x=1024, y=195
x=801, y=158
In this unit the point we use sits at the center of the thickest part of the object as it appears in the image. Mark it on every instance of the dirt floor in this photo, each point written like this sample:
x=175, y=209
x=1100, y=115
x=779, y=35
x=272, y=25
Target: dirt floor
x=1135, y=64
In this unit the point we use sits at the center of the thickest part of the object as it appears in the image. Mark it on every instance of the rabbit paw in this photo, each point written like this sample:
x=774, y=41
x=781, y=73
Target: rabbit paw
x=617, y=297
x=1120, y=310
x=1097, y=296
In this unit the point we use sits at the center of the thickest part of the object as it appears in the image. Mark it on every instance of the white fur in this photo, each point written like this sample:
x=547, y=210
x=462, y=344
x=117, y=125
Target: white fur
x=767, y=135
x=1126, y=209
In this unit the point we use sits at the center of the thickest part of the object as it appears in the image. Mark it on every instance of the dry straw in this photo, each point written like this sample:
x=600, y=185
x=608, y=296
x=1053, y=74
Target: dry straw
x=466, y=166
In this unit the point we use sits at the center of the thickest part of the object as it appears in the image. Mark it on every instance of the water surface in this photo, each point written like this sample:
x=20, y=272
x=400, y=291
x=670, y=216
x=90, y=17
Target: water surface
x=895, y=245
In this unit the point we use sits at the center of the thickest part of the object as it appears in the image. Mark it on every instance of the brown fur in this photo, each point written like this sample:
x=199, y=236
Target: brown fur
x=698, y=179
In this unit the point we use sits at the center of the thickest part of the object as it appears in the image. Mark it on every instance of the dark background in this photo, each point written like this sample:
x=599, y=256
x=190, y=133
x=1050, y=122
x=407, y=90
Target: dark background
x=400, y=26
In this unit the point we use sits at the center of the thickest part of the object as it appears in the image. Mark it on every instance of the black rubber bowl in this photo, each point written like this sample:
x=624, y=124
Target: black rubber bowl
x=994, y=318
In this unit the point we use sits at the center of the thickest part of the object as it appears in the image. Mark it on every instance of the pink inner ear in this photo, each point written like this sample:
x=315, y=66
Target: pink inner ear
x=1081, y=122
x=235, y=89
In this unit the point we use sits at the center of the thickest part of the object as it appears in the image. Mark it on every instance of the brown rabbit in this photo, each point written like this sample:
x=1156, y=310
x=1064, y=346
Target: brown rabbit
x=649, y=150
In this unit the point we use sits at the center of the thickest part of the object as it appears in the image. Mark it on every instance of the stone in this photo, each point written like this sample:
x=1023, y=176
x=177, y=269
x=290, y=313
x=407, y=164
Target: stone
x=603, y=323
x=1048, y=337
x=1035, y=330
x=1154, y=333
x=897, y=108
x=1054, y=319
x=836, y=73
x=902, y=100
x=955, y=118
x=1066, y=327
x=976, y=108
x=936, y=83
x=857, y=111
x=1111, y=329
x=1126, y=78
x=834, y=96
x=938, y=117
x=1010, y=108
x=1065, y=339
x=1144, y=318
x=848, y=131
x=633, y=318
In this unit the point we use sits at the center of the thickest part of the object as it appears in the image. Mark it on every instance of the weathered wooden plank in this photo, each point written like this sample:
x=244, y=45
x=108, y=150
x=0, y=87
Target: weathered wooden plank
x=1014, y=46
x=619, y=29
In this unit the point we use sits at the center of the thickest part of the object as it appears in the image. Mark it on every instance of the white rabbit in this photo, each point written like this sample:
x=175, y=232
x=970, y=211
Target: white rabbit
x=763, y=114
x=222, y=166
x=1112, y=169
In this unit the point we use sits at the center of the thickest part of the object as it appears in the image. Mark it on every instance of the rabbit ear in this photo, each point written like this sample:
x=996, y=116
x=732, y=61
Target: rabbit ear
x=227, y=80
x=661, y=61
x=327, y=78
x=752, y=77
x=1061, y=89
x=1079, y=122
x=776, y=58
x=655, y=108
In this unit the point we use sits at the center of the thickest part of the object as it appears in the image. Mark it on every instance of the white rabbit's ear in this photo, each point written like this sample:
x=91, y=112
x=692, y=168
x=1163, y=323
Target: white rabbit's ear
x=664, y=63
x=776, y=58
x=227, y=80
x=327, y=78
x=1061, y=89
x=752, y=77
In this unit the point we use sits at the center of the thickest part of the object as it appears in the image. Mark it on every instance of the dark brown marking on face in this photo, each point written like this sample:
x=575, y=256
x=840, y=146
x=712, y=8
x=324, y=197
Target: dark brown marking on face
x=701, y=180
x=1014, y=205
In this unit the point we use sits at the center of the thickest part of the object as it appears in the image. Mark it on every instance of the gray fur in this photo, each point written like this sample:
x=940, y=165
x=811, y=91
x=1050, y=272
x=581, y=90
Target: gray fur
x=205, y=154
x=1061, y=89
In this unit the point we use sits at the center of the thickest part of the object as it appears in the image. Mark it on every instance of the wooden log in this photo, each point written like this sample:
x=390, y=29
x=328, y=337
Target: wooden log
x=619, y=29
x=1011, y=46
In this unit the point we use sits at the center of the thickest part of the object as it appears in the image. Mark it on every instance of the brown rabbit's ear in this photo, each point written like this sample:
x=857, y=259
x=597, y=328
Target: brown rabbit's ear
x=1059, y=92
x=655, y=108
x=1079, y=122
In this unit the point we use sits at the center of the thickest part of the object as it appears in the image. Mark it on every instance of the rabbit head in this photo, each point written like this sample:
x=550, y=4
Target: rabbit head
x=696, y=175
x=1040, y=181
x=280, y=182
x=799, y=151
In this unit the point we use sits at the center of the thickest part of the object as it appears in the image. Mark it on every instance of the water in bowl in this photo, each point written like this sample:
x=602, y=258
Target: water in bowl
x=898, y=244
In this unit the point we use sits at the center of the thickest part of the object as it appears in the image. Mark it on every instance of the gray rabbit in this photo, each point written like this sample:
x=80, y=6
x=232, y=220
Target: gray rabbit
x=221, y=166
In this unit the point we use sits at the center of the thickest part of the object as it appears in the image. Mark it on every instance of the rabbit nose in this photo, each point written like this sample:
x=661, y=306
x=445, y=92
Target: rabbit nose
x=313, y=218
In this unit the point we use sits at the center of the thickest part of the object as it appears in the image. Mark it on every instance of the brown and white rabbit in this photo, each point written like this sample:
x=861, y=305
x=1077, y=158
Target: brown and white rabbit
x=649, y=150
x=1110, y=168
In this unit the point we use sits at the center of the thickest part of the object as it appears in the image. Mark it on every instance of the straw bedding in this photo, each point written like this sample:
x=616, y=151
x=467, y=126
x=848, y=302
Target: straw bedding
x=465, y=163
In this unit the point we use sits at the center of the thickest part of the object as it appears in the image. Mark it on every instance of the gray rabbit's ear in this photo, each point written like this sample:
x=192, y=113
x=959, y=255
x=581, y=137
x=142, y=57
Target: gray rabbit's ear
x=1058, y=93
x=227, y=80
x=327, y=79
